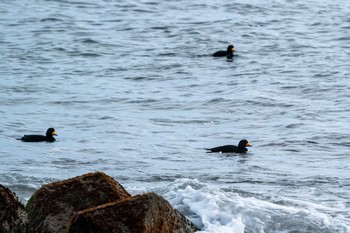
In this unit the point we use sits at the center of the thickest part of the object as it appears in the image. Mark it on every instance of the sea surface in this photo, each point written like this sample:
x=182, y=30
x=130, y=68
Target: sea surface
x=133, y=91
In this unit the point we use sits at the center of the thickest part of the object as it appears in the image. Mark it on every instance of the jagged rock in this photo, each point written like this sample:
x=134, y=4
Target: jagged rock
x=51, y=208
x=12, y=215
x=147, y=213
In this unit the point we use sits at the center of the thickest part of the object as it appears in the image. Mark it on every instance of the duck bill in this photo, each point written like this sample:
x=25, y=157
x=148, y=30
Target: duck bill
x=248, y=144
x=54, y=133
x=233, y=49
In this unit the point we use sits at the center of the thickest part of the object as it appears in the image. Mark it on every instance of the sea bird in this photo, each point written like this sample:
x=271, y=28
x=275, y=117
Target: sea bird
x=228, y=53
x=40, y=138
x=241, y=148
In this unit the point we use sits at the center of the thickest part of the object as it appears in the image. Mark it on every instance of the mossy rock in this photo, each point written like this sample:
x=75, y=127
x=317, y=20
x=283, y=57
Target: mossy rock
x=13, y=218
x=147, y=213
x=51, y=208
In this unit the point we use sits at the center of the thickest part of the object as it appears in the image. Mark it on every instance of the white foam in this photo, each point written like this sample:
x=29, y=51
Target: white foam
x=217, y=211
x=206, y=207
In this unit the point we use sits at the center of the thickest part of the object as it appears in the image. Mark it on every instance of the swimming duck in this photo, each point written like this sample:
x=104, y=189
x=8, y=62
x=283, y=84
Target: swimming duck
x=41, y=138
x=241, y=148
x=228, y=53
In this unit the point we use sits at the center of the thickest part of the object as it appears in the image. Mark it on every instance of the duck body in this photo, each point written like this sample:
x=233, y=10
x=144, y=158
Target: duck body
x=40, y=138
x=228, y=53
x=241, y=148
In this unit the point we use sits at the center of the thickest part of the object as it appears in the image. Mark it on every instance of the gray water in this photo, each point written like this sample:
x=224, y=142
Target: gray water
x=132, y=90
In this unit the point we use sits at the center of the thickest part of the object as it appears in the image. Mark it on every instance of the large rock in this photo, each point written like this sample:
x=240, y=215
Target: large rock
x=51, y=208
x=147, y=213
x=12, y=215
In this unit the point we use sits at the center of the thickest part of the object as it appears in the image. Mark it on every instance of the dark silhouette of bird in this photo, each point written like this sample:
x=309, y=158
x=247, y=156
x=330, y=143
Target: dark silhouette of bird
x=40, y=138
x=228, y=53
x=241, y=148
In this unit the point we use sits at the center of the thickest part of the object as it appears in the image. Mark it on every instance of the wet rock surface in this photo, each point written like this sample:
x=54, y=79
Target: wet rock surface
x=12, y=215
x=51, y=208
x=147, y=213
x=91, y=203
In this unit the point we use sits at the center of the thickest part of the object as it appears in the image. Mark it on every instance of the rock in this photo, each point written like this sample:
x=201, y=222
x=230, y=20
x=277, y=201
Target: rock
x=147, y=213
x=12, y=215
x=51, y=208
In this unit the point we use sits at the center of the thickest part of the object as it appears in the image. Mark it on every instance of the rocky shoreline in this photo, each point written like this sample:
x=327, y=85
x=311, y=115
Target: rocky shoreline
x=91, y=203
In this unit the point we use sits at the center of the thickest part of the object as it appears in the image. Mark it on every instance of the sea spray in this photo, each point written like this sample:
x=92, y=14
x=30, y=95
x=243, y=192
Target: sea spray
x=218, y=211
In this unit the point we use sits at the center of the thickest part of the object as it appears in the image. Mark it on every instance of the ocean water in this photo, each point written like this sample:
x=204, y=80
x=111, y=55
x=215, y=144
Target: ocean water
x=132, y=90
